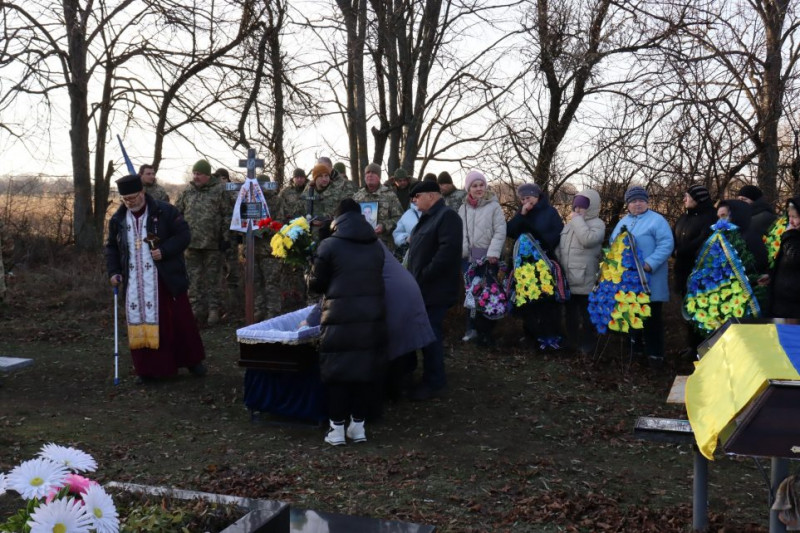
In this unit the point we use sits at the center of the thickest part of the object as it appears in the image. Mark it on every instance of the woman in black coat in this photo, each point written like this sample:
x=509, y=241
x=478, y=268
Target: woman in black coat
x=540, y=319
x=348, y=270
x=784, y=280
x=691, y=231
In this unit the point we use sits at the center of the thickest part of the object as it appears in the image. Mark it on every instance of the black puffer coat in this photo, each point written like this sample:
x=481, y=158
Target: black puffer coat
x=543, y=222
x=691, y=231
x=741, y=215
x=348, y=270
x=785, y=278
x=174, y=235
x=762, y=217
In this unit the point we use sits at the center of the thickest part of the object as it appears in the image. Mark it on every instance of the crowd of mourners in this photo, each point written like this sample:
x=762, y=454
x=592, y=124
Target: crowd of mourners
x=393, y=256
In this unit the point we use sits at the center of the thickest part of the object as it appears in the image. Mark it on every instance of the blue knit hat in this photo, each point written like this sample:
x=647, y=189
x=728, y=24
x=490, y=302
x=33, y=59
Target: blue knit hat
x=636, y=193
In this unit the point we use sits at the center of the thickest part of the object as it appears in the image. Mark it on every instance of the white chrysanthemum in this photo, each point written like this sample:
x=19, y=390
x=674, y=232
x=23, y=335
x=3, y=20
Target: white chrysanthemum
x=72, y=458
x=101, y=510
x=65, y=515
x=36, y=477
x=3, y=484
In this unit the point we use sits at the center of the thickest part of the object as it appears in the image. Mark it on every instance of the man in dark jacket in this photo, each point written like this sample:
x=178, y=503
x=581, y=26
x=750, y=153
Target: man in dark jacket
x=761, y=213
x=144, y=254
x=434, y=259
x=348, y=270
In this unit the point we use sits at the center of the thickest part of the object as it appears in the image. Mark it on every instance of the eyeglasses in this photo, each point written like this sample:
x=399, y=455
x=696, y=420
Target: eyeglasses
x=131, y=197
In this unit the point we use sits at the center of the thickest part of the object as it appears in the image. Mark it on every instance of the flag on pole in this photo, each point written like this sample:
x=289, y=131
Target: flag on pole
x=128, y=163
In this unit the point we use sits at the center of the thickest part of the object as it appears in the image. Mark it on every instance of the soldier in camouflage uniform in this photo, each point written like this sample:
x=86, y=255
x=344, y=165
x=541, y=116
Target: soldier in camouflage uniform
x=401, y=184
x=453, y=198
x=206, y=207
x=389, y=209
x=231, y=268
x=267, y=269
x=321, y=198
x=147, y=173
x=344, y=187
x=294, y=203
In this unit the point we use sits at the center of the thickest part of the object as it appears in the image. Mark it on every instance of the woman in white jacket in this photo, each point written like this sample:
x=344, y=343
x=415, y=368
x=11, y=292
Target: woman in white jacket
x=579, y=255
x=403, y=230
x=484, y=230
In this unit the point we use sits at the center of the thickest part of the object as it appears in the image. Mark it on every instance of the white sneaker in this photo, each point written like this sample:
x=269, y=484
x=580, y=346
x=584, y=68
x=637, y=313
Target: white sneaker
x=355, y=431
x=335, y=435
x=471, y=334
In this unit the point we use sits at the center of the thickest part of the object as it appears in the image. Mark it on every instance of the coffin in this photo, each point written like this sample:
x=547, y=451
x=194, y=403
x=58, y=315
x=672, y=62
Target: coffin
x=278, y=345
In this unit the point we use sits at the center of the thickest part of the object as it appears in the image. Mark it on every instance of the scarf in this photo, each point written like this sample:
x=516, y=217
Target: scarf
x=472, y=201
x=141, y=300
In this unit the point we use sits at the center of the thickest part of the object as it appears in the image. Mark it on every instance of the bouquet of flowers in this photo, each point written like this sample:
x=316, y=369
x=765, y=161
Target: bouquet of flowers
x=772, y=240
x=293, y=242
x=718, y=287
x=533, y=277
x=267, y=226
x=58, y=499
x=485, y=294
x=620, y=301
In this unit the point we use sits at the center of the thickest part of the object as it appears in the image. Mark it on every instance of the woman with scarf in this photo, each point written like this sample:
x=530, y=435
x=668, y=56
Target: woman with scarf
x=653, y=237
x=484, y=233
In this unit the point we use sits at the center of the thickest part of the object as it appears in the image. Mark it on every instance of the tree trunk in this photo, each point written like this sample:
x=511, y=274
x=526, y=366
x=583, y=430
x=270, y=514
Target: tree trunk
x=355, y=20
x=276, y=139
x=102, y=177
x=771, y=96
x=87, y=237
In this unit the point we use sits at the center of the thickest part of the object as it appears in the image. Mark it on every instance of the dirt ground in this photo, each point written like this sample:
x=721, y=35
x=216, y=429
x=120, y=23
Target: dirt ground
x=522, y=442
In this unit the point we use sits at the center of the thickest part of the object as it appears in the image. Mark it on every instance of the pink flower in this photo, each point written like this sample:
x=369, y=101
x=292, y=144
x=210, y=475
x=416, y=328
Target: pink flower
x=76, y=484
x=494, y=289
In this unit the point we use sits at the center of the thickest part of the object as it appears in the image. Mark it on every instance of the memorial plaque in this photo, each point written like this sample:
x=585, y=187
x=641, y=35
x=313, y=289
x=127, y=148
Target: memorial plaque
x=251, y=210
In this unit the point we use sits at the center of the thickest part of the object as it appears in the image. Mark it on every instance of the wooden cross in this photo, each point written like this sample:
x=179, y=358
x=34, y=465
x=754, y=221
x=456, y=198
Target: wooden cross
x=251, y=163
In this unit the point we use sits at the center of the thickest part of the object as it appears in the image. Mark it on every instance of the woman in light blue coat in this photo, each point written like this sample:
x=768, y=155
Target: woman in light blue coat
x=653, y=237
x=405, y=226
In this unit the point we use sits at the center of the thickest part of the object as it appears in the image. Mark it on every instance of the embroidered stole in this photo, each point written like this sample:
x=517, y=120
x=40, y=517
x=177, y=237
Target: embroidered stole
x=141, y=302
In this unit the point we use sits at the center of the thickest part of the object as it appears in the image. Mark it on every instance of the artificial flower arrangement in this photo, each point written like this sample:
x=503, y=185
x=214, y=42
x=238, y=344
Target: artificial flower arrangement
x=620, y=301
x=293, y=242
x=485, y=293
x=718, y=288
x=59, y=500
x=772, y=240
x=267, y=226
x=533, y=276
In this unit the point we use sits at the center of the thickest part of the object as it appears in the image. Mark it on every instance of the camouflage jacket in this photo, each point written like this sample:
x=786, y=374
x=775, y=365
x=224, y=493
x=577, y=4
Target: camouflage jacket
x=208, y=210
x=455, y=199
x=294, y=202
x=345, y=187
x=389, y=210
x=321, y=204
x=157, y=192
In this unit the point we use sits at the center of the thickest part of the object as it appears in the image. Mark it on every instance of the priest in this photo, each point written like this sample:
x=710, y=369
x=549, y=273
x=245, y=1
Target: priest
x=144, y=255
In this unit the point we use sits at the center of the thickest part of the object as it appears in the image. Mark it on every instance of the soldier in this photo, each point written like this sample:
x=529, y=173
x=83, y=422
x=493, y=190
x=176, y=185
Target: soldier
x=453, y=197
x=344, y=187
x=231, y=269
x=321, y=198
x=206, y=208
x=294, y=204
x=401, y=183
x=389, y=209
x=267, y=269
x=341, y=169
x=148, y=175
